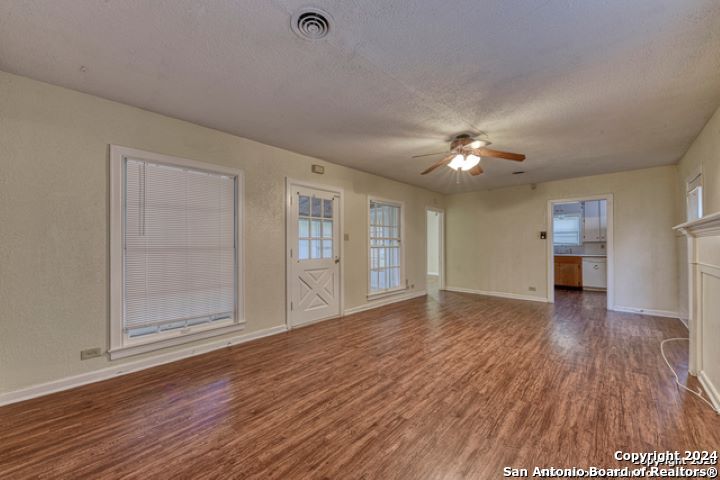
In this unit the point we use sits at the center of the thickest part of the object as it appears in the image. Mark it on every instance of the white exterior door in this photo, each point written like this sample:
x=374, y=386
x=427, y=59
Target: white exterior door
x=313, y=255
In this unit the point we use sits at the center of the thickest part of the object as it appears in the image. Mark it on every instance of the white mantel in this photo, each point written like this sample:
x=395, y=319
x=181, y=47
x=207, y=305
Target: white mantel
x=703, y=247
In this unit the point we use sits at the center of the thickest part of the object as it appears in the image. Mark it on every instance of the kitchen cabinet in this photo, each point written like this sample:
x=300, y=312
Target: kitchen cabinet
x=595, y=221
x=568, y=271
x=594, y=273
x=603, y=220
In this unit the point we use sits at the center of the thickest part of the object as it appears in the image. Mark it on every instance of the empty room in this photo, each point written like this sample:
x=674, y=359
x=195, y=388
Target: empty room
x=281, y=239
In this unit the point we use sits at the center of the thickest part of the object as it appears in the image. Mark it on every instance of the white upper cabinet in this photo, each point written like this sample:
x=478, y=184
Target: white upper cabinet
x=603, y=220
x=595, y=221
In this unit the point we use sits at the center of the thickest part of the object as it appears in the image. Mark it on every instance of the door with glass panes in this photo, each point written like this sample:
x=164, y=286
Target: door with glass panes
x=314, y=255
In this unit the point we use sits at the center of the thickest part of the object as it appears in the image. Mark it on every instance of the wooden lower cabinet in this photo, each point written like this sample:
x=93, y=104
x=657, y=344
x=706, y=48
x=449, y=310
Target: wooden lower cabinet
x=568, y=272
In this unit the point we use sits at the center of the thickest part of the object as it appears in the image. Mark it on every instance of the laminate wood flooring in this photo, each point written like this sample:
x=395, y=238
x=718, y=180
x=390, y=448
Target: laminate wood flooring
x=450, y=386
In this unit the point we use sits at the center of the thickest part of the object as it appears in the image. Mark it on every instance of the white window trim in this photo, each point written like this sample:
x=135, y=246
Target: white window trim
x=403, y=280
x=120, y=345
x=694, y=182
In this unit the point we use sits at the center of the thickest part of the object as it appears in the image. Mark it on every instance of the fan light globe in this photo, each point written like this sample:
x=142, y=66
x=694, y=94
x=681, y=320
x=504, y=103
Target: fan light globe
x=470, y=162
x=478, y=144
x=457, y=162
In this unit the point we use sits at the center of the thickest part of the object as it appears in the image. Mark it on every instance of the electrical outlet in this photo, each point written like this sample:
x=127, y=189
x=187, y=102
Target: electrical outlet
x=532, y=289
x=90, y=353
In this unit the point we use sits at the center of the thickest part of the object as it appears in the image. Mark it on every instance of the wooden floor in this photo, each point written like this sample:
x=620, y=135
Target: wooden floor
x=455, y=386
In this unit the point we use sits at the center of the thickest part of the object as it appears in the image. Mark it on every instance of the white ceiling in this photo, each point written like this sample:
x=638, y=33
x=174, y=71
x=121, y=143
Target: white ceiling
x=580, y=87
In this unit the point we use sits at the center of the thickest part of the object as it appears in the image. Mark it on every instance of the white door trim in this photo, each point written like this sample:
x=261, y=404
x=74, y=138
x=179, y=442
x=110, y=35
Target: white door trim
x=289, y=183
x=441, y=243
x=609, y=243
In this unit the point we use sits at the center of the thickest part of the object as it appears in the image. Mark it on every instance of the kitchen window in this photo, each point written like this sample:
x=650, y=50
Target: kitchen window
x=567, y=229
x=386, y=247
x=176, y=251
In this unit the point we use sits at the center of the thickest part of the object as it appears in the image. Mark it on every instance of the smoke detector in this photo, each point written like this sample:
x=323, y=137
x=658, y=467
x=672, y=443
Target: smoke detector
x=311, y=23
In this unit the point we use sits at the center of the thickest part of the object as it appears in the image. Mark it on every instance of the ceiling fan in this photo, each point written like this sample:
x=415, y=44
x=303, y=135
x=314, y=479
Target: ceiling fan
x=465, y=154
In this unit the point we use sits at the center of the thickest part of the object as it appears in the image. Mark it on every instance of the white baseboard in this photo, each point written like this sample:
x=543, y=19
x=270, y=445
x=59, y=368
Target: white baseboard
x=400, y=297
x=129, y=367
x=647, y=311
x=513, y=296
x=710, y=389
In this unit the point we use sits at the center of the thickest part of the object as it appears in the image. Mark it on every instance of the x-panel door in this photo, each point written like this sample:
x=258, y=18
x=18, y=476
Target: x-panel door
x=314, y=255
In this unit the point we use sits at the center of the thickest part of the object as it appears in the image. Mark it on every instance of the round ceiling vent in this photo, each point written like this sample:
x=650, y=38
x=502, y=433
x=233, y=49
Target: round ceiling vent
x=311, y=23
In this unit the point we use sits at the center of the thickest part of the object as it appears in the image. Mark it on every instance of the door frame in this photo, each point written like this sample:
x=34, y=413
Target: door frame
x=610, y=245
x=289, y=184
x=441, y=244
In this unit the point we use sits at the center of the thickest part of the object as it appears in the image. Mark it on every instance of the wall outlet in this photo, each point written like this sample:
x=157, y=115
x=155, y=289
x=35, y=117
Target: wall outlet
x=532, y=289
x=90, y=353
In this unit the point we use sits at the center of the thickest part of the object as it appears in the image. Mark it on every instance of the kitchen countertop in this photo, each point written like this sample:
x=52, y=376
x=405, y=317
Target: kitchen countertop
x=580, y=255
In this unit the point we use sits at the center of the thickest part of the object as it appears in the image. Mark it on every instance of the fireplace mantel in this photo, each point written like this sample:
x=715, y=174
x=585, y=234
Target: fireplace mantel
x=703, y=257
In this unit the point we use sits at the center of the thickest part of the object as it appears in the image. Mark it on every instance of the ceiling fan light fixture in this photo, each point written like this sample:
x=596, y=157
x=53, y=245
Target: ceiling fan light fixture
x=479, y=144
x=470, y=162
x=457, y=162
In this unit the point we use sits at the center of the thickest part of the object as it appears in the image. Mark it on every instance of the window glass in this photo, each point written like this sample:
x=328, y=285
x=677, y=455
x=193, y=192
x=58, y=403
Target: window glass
x=385, y=243
x=567, y=229
x=695, y=198
x=304, y=205
x=315, y=228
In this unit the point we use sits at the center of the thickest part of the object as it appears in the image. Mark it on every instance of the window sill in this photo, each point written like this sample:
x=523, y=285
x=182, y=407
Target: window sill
x=386, y=293
x=140, y=348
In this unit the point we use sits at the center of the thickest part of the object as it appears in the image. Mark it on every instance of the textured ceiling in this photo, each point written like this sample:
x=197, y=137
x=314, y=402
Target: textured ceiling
x=580, y=87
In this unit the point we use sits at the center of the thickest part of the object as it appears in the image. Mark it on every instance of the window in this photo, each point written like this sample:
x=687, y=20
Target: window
x=567, y=229
x=386, y=246
x=315, y=227
x=176, y=257
x=694, y=198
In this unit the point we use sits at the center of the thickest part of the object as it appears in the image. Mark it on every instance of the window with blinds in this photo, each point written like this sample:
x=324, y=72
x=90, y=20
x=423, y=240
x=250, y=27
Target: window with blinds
x=179, y=249
x=694, y=198
x=385, y=246
x=567, y=229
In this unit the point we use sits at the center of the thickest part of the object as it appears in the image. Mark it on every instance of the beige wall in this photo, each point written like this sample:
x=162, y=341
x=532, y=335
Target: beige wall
x=703, y=156
x=54, y=221
x=493, y=239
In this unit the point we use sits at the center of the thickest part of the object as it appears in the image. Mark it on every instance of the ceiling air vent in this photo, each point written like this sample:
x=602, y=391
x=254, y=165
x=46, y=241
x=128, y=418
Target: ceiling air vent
x=311, y=23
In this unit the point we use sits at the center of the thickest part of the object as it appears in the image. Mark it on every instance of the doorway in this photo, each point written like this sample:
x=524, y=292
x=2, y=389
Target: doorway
x=314, y=253
x=580, y=249
x=435, y=258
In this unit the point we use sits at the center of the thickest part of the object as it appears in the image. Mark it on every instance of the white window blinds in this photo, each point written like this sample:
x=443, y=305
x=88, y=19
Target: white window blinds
x=180, y=253
x=567, y=229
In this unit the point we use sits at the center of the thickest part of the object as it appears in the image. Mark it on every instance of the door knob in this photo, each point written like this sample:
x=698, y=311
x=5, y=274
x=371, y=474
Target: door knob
x=337, y=260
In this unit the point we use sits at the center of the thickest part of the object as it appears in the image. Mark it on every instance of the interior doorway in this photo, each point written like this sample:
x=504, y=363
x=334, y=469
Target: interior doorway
x=435, y=258
x=580, y=250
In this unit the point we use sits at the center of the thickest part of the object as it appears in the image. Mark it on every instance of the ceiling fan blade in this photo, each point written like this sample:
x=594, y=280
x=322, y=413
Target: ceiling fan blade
x=489, y=152
x=437, y=164
x=429, y=154
x=476, y=170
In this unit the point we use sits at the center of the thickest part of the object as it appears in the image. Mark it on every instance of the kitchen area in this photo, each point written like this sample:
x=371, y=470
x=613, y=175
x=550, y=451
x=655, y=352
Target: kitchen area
x=580, y=245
